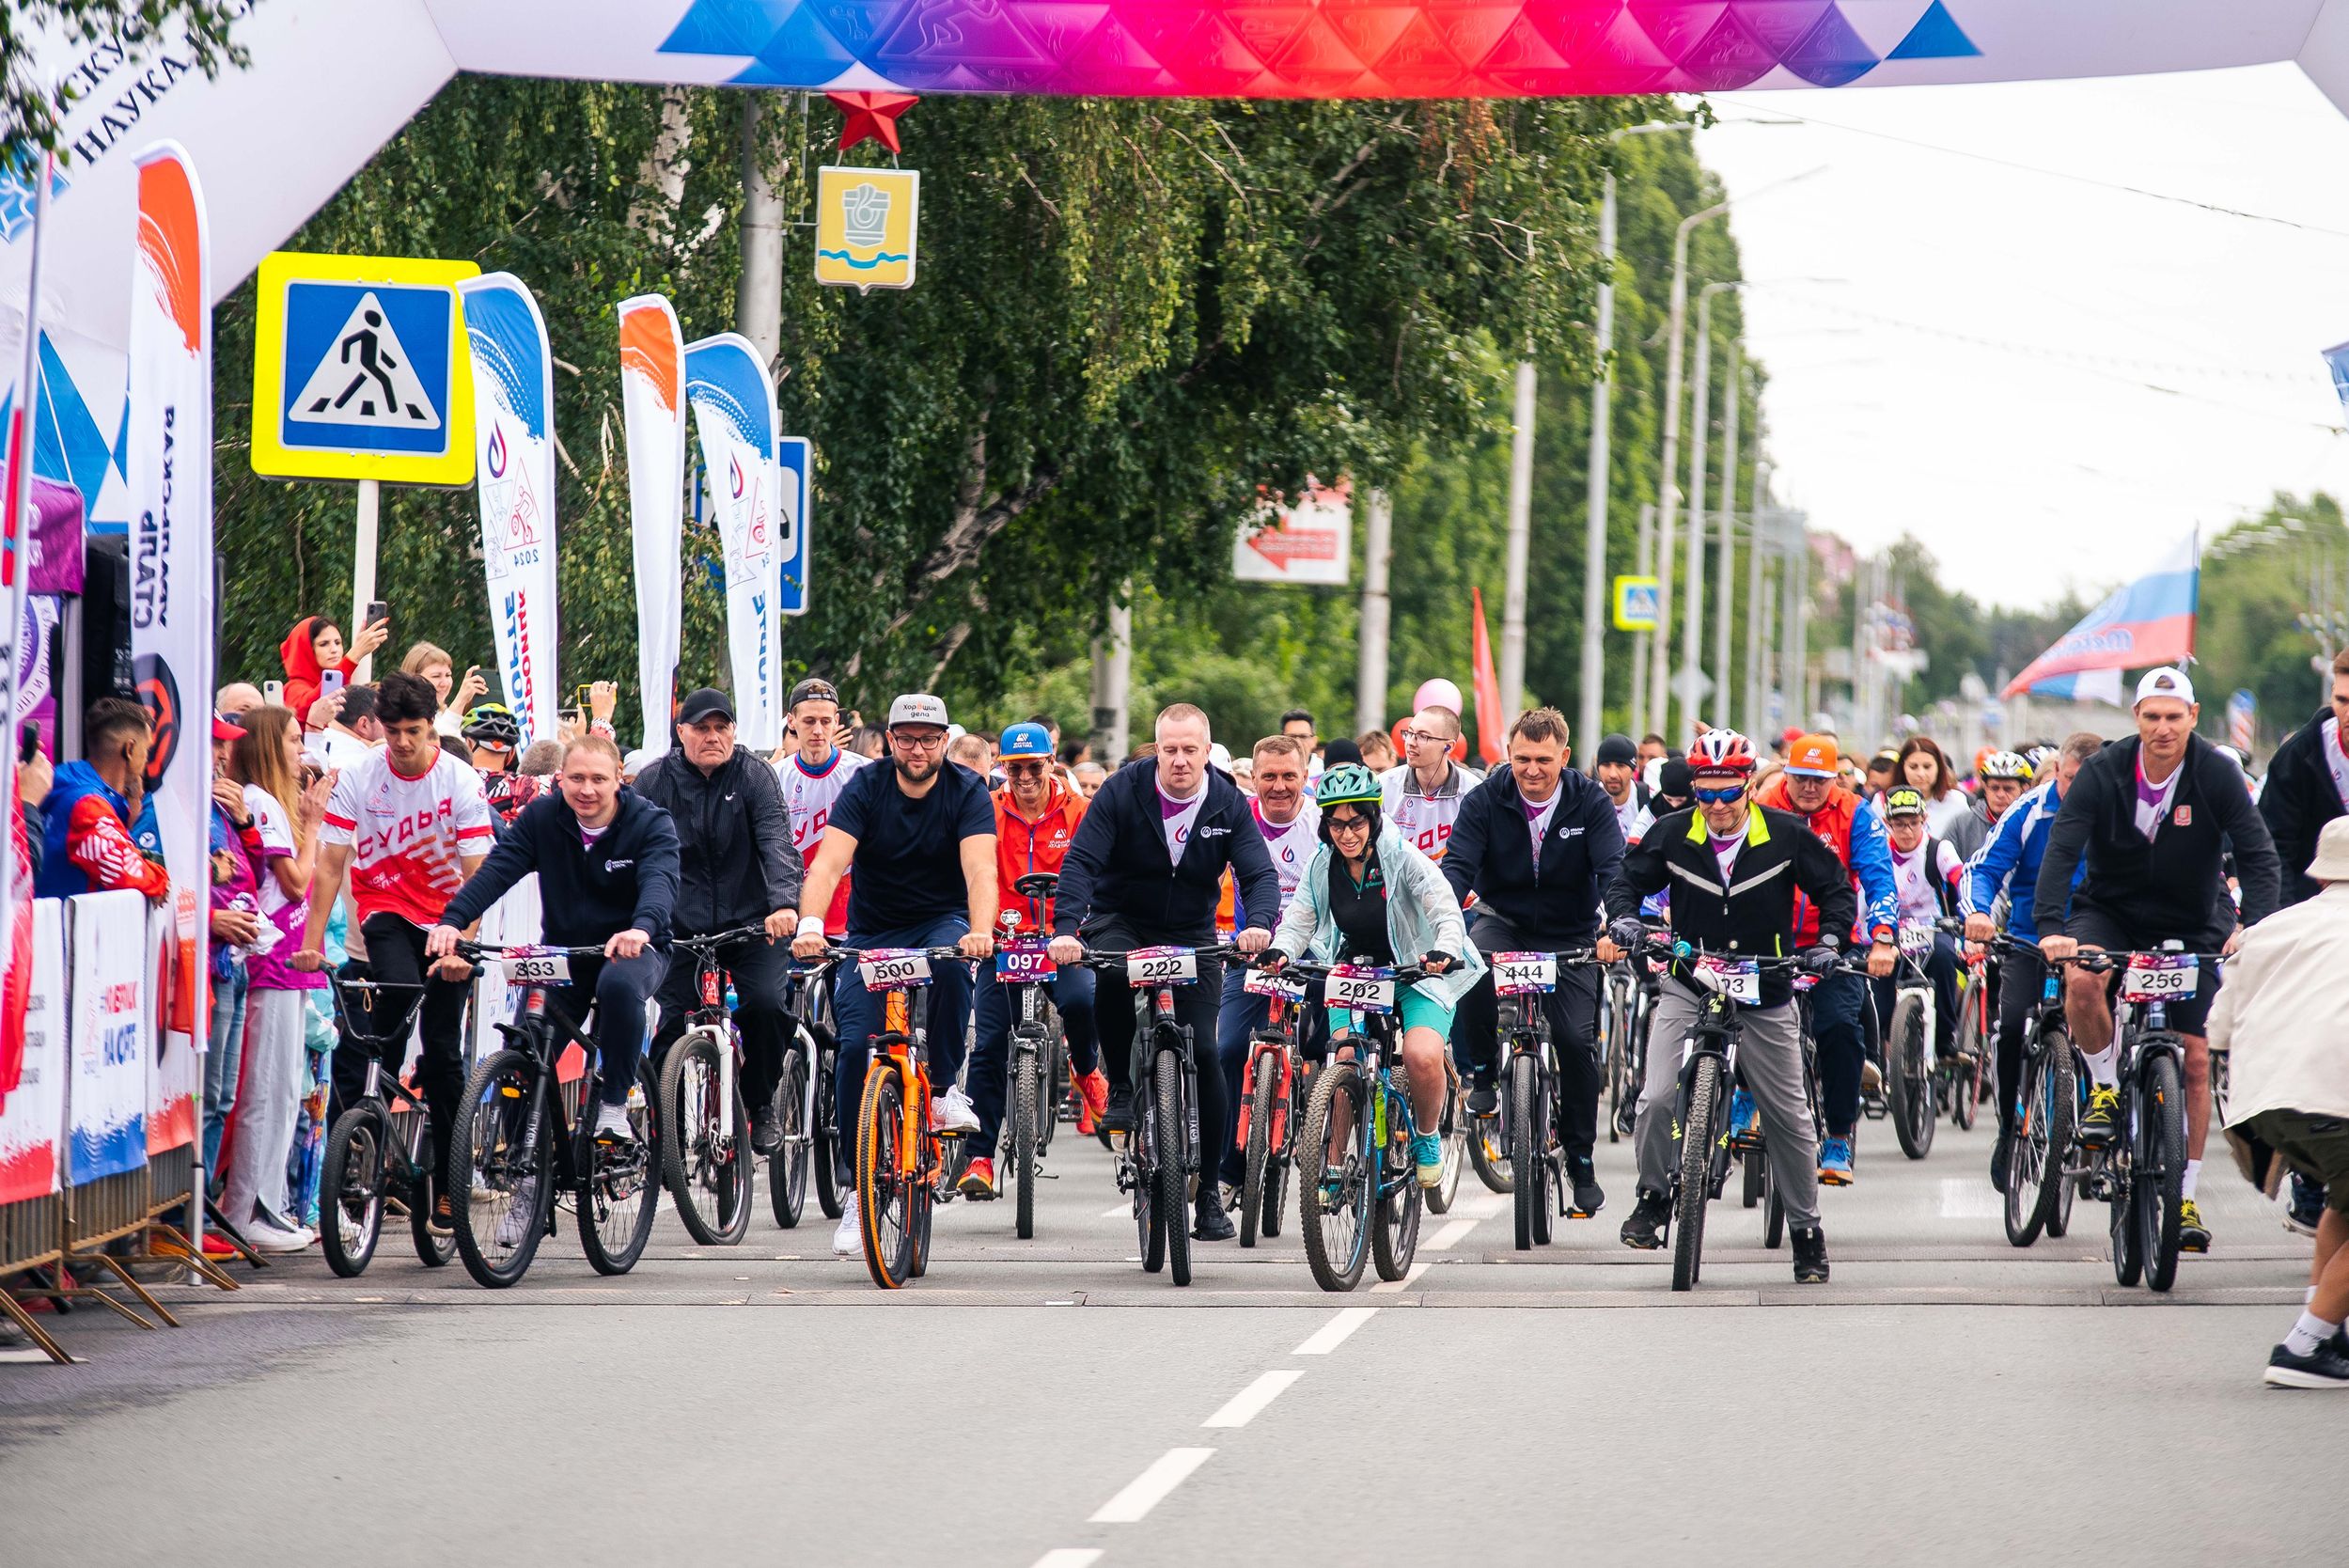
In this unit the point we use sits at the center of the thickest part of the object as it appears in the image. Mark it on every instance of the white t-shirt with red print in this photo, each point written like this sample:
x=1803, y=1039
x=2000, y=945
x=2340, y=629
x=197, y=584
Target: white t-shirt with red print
x=408, y=836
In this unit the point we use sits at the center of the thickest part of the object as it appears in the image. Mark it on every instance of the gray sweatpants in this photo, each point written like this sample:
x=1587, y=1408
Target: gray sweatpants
x=1770, y=1059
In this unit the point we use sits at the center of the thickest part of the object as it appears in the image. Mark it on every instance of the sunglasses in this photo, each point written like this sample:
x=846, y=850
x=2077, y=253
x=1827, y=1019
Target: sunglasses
x=1348, y=824
x=1718, y=797
x=1022, y=770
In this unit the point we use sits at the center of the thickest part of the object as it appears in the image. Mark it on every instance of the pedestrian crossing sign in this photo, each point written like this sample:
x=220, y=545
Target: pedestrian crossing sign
x=1635, y=604
x=360, y=370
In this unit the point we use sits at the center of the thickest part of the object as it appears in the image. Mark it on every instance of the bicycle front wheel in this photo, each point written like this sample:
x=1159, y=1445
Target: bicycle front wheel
x=2157, y=1186
x=351, y=1190
x=1396, y=1236
x=1260, y=1156
x=2036, y=1149
x=1908, y=1090
x=620, y=1188
x=1167, y=1109
x=1618, y=1086
x=501, y=1169
x=1966, y=1091
x=1334, y=1190
x=1528, y=1160
x=884, y=1190
x=1696, y=1174
x=705, y=1142
x=1029, y=1117
x=786, y=1169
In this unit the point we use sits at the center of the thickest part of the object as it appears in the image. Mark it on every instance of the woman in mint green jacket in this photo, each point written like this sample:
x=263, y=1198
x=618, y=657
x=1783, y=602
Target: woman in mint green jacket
x=1366, y=894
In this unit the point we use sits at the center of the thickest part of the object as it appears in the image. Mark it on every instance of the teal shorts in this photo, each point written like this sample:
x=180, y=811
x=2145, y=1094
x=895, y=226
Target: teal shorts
x=1419, y=1011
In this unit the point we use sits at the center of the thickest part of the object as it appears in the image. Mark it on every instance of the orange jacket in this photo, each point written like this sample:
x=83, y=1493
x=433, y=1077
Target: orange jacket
x=1023, y=846
x=1855, y=830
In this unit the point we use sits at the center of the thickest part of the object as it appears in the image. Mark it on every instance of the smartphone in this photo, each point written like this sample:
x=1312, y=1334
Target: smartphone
x=329, y=683
x=27, y=740
x=274, y=693
x=580, y=699
x=377, y=613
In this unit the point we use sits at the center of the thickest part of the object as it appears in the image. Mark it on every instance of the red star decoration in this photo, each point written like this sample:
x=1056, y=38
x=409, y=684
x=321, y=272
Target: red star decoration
x=871, y=114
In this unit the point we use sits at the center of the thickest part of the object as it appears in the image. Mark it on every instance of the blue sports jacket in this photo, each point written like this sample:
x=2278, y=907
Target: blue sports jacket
x=2008, y=862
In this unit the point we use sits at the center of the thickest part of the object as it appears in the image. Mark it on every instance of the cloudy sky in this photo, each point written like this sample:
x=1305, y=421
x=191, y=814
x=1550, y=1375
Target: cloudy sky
x=2046, y=376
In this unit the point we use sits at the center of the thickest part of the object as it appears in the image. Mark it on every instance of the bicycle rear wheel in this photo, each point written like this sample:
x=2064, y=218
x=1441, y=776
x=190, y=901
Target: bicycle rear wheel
x=1396, y=1235
x=1966, y=1094
x=2157, y=1185
x=705, y=1146
x=1173, y=1181
x=1334, y=1196
x=620, y=1189
x=2038, y=1147
x=1773, y=1211
x=1259, y=1171
x=1755, y=1164
x=1030, y=1116
x=501, y=1169
x=787, y=1169
x=1447, y=1131
x=884, y=1193
x=1618, y=1064
x=351, y=1189
x=1696, y=1174
x=411, y=1131
x=1908, y=1090
x=1487, y=1149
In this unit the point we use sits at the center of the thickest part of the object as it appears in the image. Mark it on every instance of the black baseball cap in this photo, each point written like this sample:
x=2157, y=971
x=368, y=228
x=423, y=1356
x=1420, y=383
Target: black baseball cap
x=814, y=690
x=709, y=702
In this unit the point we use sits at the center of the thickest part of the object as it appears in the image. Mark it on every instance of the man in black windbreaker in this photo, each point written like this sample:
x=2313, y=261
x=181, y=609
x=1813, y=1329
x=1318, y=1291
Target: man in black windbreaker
x=1145, y=870
x=2153, y=817
x=738, y=867
x=1530, y=857
x=1734, y=868
x=606, y=859
x=2308, y=786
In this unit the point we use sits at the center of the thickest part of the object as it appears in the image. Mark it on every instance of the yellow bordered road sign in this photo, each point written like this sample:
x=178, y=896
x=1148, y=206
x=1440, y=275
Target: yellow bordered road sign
x=1635, y=604
x=360, y=370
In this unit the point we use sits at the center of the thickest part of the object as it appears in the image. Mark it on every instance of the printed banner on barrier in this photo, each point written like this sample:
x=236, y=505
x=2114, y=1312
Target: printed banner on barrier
x=175, y=1073
x=169, y=463
x=652, y=401
x=107, y=1101
x=33, y=1110
x=513, y=381
x=734, y=404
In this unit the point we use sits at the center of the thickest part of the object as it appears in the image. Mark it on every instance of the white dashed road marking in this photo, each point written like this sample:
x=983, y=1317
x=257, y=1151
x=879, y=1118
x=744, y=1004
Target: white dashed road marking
x=1246, y=1405
x=1149, y=1489
x=1334, y=1333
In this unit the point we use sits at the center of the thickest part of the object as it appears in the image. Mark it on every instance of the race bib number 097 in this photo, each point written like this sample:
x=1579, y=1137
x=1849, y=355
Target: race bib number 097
x=1023, y=961
x=526, y=966
x=1361, y=989
x=1515, y=974
x=1162, y=967
x=890, y=968
x=2166, y=978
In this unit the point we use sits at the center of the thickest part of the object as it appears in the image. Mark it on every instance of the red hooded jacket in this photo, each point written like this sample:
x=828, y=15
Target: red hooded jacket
x=302, y=671
x=1023, y=846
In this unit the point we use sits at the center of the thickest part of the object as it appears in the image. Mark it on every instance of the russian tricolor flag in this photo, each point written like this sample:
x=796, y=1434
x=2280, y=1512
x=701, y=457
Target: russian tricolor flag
x=2148, y=622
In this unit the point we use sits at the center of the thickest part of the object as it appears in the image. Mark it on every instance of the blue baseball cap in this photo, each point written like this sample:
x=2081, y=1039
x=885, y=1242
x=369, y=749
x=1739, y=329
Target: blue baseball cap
x=1027, y=740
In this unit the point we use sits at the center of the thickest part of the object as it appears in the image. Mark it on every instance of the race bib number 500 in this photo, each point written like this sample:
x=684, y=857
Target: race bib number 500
x=892, y=968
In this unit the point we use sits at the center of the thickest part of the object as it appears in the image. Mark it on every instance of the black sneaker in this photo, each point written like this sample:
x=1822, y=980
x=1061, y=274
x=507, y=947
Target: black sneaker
x=2103, y=1118
x=1644, y=1229
x=1483, y=1099
x=1589, y=1198
x=2326, y=1367
x=1810, y=1256
x=1210, y=1221
x=766, y=1133
x=2000, y=1154
x=444, y=1220
x=2307, y=1206
x=1119, y=1117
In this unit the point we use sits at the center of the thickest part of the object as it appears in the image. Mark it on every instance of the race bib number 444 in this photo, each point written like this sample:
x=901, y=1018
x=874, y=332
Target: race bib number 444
x=1514, y=974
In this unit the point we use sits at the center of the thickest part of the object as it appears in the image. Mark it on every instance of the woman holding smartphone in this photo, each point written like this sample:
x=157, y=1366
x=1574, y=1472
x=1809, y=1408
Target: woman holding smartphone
x=433, y=662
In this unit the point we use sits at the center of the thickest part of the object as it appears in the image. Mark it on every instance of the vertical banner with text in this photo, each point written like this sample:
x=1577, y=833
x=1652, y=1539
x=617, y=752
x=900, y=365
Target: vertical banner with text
x=168, y=462
x=734, y=404
x=513, y=432
x=653, y=400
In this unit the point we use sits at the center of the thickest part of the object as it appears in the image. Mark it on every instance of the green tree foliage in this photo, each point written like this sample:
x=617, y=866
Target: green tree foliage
x=2262, y=579
x=1134, y=319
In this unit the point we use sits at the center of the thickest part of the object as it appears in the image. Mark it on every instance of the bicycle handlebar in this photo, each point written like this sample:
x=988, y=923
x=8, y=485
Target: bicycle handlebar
x=1404, y=974
x=1109, y=962
x=476, y=952
x=715, y=940
x=941, y=955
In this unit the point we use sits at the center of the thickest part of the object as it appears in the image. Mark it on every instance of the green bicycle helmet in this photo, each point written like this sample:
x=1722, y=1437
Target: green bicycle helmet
x=492, y=723
x=1347, y=783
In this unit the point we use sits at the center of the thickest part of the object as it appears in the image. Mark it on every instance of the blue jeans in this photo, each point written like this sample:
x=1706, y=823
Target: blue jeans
x=1835, y=1024
x=224, y=1060
x=857, y=1015
x=991, y=1055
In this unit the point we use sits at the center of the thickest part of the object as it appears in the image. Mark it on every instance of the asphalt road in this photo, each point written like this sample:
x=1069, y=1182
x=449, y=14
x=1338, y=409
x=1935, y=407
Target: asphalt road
x=1946, y=1399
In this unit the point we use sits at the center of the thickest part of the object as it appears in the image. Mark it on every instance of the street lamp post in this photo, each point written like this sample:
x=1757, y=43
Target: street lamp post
x=1668, y=490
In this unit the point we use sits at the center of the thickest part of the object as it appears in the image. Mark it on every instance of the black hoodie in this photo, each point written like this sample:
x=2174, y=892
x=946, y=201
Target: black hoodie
x=1118, y=866
x=627, y=880
x=2299, y=799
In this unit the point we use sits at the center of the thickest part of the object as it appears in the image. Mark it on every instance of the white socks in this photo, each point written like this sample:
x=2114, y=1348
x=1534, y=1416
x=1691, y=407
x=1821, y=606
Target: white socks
x=2308, y=1333
x=2104, y=1067
x=2185, y=1185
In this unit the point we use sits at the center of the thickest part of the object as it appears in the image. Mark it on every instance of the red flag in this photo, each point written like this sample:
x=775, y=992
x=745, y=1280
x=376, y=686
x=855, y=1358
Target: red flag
x=1489, y=721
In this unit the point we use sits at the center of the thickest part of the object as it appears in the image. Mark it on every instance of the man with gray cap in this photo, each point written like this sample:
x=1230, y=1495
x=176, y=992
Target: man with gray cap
x=921, y=837
x=738, y=867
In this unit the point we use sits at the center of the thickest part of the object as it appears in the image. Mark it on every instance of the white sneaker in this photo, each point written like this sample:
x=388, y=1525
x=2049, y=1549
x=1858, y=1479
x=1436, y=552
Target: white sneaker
x=952, y=1112
x=849, y=1240
x=261, y=1236
x=514, y=1226
x=612, y=1121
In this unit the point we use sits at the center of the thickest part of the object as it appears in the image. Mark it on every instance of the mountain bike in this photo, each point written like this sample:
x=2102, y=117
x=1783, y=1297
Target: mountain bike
x=1023, y=967
x=1275, y=1089
x=901, y=1156
x=1158, y=1159
x=1974, y=1071
x=380, y=1149
x=1529, y=1088
x=706, y=1160
x=804, y=1103
x=2141, y=1174
x=523, y=1136
x=1752, y=1150
x=1708, y=1067
x=1358, y=1197
x=2042, y=1160
x=1912, y=1074
x=1626, y=999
